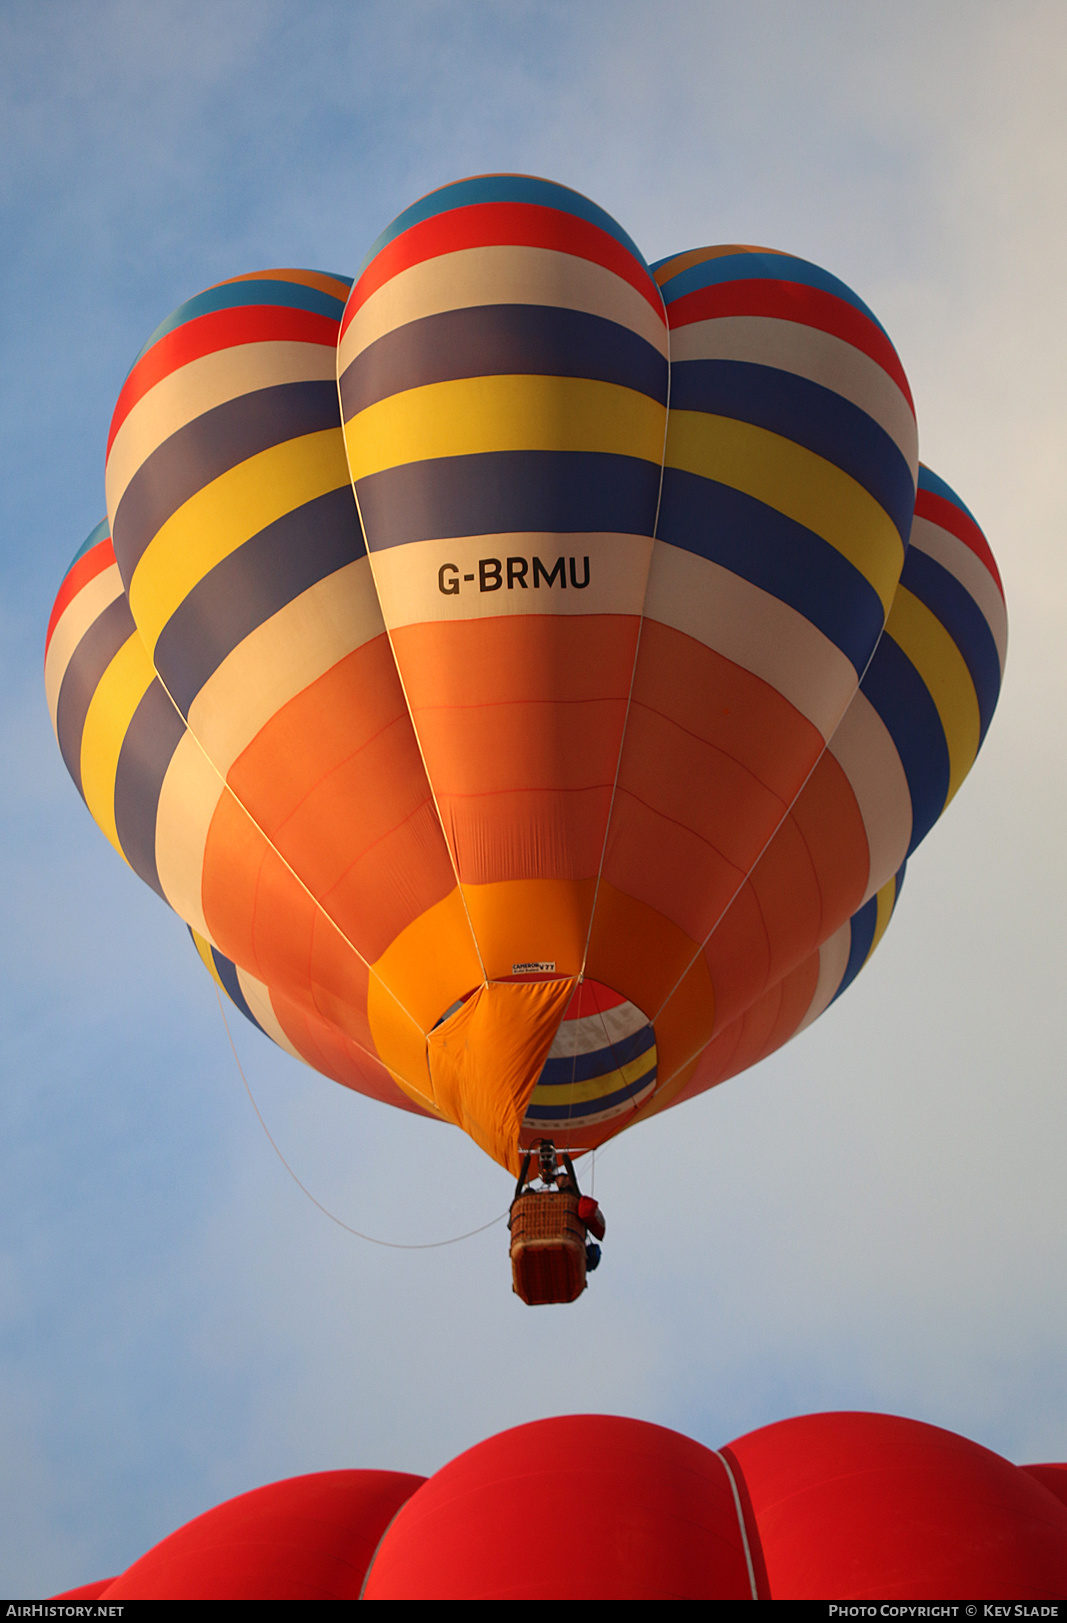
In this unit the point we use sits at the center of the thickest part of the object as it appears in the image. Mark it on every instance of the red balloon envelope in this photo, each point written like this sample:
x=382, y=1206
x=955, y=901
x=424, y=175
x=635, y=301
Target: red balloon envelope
x=587, y=1507
x=867, y=1505
x=829, y=1507
x=310, y=1538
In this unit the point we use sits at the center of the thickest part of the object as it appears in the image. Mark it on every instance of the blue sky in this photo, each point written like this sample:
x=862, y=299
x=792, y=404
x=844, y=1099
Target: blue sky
x=877, y=1217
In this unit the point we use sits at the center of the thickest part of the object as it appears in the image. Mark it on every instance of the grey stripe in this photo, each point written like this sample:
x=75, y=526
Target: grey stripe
x=246, y=588
x=209, y=446
x=154, y=733
x=82, y=676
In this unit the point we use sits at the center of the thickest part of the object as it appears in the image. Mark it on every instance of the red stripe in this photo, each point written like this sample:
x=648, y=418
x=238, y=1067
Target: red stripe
x=219, y=329
x=949, y=517
x=792, y=301
x=490, y=225
x=88, y=566
x=591, y=997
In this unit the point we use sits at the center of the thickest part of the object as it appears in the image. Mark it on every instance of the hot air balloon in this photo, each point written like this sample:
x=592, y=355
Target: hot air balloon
x=597, y=1507
x=527, y=673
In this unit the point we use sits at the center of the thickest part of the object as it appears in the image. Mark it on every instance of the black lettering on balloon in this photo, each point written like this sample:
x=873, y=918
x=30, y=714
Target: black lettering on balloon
x=517, y=568
x=448, y=583
x=575, y=582
x=540, y=570
x=489, y=578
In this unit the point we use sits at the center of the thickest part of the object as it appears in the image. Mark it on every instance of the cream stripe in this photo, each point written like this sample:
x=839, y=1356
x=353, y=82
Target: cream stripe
x=80, y=613
x=199, y=386
x=257, y=996
x=500, y=275
x=596, y=1031
x=505, y=412
x=282, y=657
x=922, y=637
x=833, y=961
x=225, y=514
x=863, y=747
x=806, y=352
x=188, y=798
x=795, y=482
x=409, y=578
x=755, y=630
x=956, y=556
x=118, y=693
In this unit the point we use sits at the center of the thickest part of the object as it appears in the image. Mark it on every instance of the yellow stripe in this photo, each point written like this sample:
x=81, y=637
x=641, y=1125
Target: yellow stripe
x=887, y=897
x=511, y=412
x=119, y=692
x=204, y=949
x=224, y=515
x=922, y=637
x=597, y=1086
x=796, y=482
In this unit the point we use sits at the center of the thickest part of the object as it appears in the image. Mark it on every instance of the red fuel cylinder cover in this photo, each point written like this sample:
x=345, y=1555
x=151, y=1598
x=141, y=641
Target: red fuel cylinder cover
x=591, y=1216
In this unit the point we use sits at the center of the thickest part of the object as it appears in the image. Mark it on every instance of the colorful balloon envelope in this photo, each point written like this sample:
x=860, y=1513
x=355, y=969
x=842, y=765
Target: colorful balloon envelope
x=526, y=672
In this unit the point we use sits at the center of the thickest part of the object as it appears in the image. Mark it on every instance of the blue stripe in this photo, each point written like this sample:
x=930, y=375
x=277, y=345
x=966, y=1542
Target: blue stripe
x=500, y=492
x=776, y=553
x=235, y=295
x=503, y=189
x=810, y=415
x=590, y=1107
x=558, y=1073
x=965, y=623
x=761, y=267
x=488, y=340
x=902, y=699
x=228, y=976
x=863, y=926
x=937, y=487
x=101, y=533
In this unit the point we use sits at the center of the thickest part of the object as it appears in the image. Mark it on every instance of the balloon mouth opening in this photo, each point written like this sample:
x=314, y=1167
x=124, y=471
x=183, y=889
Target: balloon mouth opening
x=602, y=1066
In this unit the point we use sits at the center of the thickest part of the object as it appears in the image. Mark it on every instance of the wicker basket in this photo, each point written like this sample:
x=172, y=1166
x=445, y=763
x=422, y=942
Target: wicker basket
x=547, y=1247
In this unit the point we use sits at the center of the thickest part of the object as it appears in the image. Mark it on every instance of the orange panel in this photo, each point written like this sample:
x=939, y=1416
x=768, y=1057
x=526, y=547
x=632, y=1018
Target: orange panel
x=738, y=956
x=695, y=784
x=329, y=722
x=685, y=1022
x=453, y=664
x=490, y=748
x=336, y=773
x=715, y=1064
x=787, y=890
x=670, y=869
x=507, y=708
x=718, y=701
x=829, y=820
x=336, y=1056
x=637, y=951
x=262, y=918
x=531, y=921
x=757, y=1024
x=527, y=835
x=797, y=989
x=386, y=887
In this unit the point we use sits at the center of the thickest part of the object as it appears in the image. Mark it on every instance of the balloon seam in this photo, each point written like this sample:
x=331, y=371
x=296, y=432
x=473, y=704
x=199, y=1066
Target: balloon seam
x=740, y=1523
x=637, y=651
